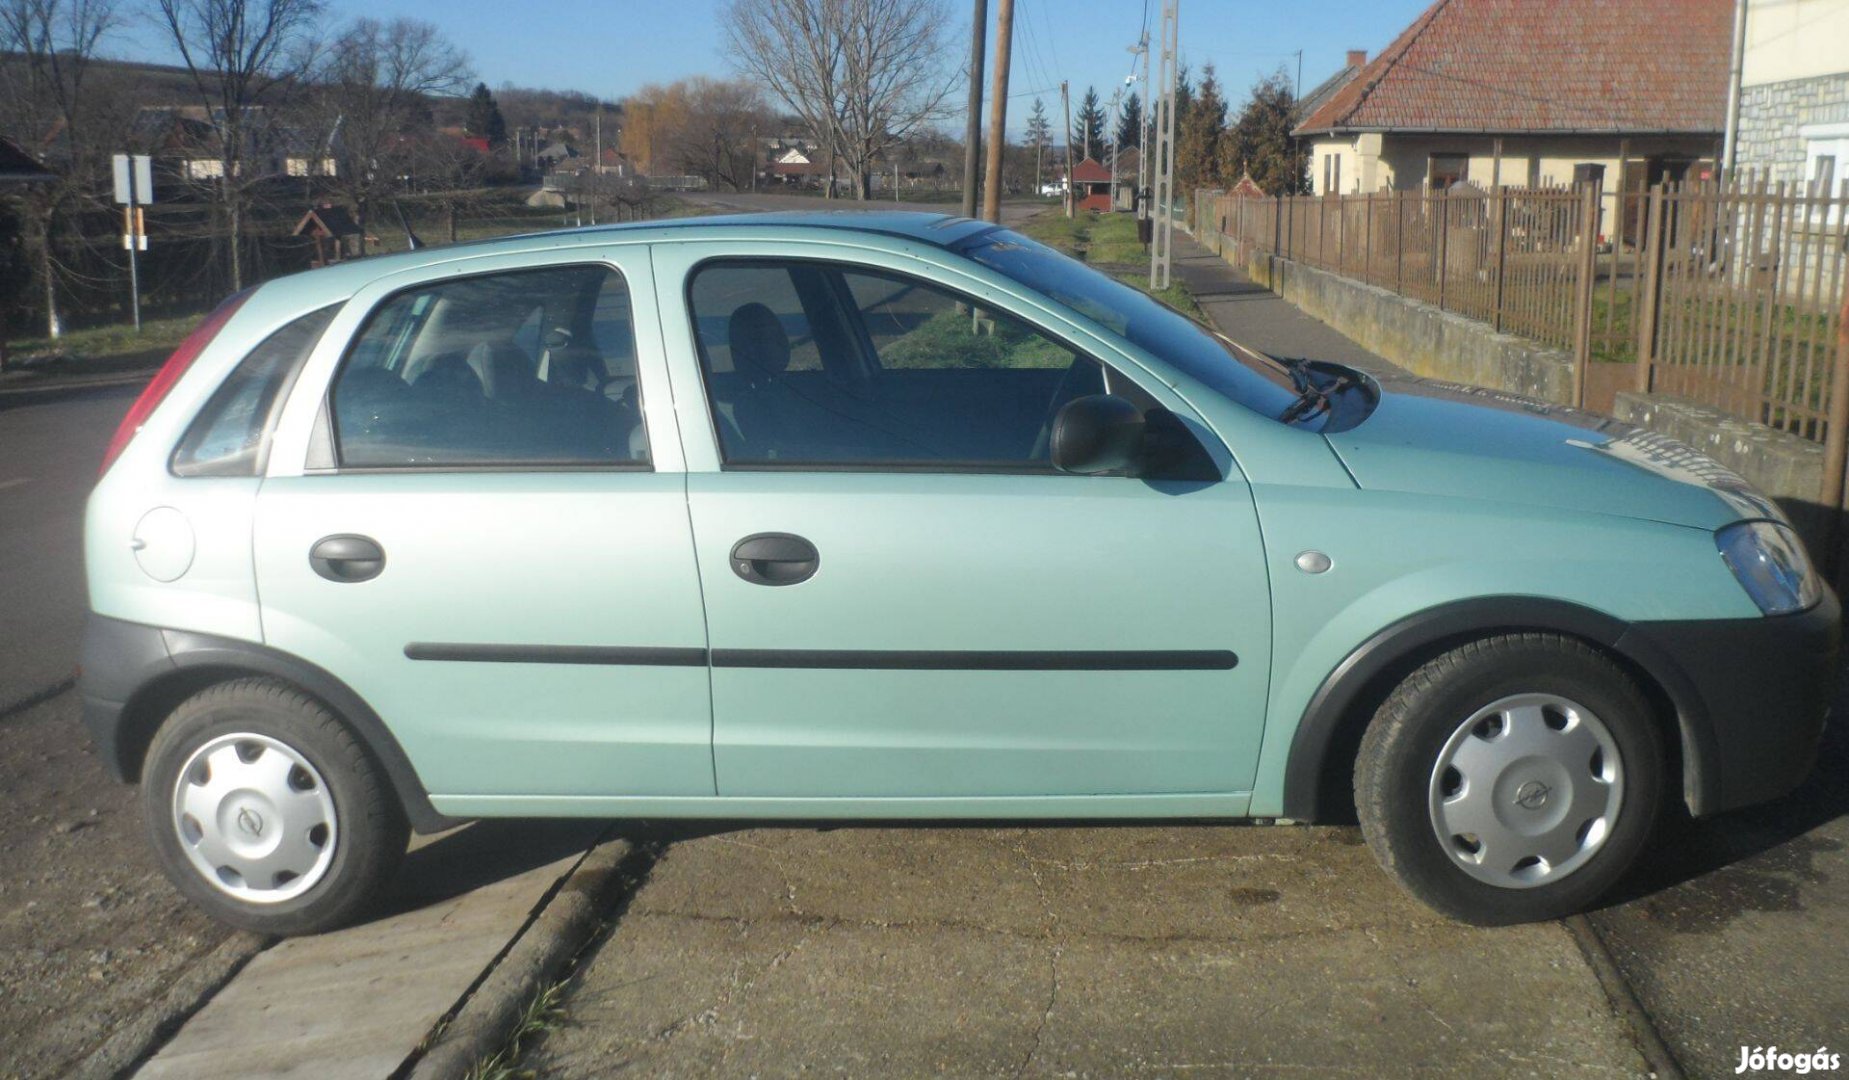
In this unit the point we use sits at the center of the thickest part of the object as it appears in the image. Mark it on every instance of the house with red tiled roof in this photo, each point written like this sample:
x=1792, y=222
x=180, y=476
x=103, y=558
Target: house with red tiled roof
x=1525, y=93
x=1091, y=185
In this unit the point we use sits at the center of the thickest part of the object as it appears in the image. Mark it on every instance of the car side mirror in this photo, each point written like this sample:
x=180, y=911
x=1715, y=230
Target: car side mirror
x=1098, y=433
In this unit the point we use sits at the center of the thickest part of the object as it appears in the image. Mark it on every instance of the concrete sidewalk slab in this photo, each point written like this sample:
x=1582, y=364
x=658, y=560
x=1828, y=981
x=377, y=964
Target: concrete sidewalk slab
x=1260, y=319
x=359, y=1002
x=1066, y=951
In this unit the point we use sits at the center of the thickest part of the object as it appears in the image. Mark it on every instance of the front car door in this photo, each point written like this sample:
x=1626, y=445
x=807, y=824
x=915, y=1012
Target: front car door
x=495, y=431
x=975, y=625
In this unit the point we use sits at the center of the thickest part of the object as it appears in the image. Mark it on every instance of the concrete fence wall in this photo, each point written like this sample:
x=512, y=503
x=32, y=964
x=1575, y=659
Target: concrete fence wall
x=1418, y=336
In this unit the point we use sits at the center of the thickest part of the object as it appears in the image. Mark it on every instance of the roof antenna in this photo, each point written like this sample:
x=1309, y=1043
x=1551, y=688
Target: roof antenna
x=410, y=237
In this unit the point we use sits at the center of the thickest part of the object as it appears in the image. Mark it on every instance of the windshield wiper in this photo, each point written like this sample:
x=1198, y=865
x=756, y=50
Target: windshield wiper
x=1313, y=397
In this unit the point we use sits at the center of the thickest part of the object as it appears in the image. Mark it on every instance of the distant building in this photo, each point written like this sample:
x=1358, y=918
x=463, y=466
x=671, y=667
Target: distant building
x=795, y=166
x=1794, y=92
x=1091, y=182
x=558, y=157
x=1482, y=92
x=183, y=140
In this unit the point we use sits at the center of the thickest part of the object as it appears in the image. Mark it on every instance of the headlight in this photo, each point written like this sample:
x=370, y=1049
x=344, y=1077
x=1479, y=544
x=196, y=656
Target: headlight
x=1769, y=560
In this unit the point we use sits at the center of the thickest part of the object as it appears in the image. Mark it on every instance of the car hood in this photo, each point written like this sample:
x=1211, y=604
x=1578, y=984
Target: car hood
x=1437, y=438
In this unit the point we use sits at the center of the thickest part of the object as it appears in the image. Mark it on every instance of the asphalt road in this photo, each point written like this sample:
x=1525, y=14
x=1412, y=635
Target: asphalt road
x=50, y=445
x=1732, y=932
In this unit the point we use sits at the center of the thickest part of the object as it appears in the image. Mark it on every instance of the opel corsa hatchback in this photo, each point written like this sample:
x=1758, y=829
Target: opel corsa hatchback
x=900, y=516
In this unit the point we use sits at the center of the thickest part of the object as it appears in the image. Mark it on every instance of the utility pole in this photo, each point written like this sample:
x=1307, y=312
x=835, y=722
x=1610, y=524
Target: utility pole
x=1140, y=51
x=998, y=113
x=972, y=126
x=1117, y=100
x=1065, y=104
x=1162, y=239
x=597, y=164
x=1296, y=145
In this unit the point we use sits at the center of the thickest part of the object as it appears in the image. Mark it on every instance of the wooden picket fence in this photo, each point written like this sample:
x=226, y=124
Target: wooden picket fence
x=1730, y=296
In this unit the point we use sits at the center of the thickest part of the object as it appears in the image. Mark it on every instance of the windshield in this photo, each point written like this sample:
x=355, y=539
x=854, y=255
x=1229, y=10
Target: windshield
x=1251, y=379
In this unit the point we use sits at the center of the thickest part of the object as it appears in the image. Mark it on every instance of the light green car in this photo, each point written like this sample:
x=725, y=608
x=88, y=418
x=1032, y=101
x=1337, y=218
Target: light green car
x=899, y=516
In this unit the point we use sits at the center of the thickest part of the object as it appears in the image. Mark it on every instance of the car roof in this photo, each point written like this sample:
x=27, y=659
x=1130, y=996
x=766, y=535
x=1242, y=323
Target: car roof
x=939, y=230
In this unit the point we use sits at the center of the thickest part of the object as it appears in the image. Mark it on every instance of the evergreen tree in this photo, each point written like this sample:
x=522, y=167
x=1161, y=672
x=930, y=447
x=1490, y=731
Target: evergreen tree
x=1088, y=128
x=1260, y=141
x=1198, y=133
x=1039, y=136
x=484, y=117
x=1130, y=122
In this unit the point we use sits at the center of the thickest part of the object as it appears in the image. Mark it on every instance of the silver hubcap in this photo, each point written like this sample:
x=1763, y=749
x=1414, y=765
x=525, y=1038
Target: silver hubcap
x=254, y=818
x=1526, y=790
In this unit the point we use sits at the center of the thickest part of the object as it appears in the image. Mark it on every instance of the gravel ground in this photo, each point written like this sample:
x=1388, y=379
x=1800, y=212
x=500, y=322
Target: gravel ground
x=89, y=929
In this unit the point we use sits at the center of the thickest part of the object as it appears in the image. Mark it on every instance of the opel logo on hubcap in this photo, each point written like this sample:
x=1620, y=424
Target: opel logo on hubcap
x=250, y=821
x=1532, y=795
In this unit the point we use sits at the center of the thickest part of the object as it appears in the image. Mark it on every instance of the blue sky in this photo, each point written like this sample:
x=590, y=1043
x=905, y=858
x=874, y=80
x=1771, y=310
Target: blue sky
x=613, y=47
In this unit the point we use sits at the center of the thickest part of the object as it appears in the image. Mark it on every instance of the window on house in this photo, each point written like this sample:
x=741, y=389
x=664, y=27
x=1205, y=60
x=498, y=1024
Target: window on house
x=1446, y=170
x=1826, y=149
x=1335, y=174
x=1534, y=172
x=1823, y=175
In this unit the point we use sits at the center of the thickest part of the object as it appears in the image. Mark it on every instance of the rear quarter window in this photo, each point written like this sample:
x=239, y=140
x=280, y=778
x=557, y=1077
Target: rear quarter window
x=230, y=436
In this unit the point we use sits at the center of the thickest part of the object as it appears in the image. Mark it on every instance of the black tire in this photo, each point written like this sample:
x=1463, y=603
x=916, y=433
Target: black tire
x=372, y=832
x=1401, y=748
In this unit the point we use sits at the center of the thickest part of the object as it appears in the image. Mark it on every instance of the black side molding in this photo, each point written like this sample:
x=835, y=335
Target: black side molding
x=612, y=655
x=931, y=660
x=842, y=659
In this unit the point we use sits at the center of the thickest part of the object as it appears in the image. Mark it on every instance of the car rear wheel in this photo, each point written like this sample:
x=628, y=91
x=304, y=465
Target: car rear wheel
x=267, y=811
x=1511, y=779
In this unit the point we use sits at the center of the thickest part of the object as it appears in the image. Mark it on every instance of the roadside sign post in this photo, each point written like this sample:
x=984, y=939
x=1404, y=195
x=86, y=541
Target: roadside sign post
x=134, y=176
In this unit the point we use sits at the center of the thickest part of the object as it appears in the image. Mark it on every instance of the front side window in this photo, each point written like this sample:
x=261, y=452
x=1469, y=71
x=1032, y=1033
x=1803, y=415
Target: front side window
x=824, y=365
x=530, y=368
x=1251, y=379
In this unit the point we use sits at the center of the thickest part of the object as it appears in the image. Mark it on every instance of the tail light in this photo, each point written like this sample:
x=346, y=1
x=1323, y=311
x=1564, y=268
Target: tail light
x=169, y=373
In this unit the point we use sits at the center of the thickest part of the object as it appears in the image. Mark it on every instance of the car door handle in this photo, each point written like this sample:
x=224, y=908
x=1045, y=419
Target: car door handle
x=774, y=559
x=347, y=558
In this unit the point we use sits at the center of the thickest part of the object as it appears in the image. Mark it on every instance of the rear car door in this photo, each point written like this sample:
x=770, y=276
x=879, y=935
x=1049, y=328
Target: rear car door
x=477, y=520
x=904, y=599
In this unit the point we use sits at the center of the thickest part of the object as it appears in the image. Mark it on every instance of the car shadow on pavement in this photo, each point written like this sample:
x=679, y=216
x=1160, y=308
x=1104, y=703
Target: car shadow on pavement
x=1754, y=859
x=450, y=864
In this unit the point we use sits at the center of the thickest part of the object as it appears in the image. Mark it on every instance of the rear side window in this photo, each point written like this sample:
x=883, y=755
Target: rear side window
x=230, y=436
x=531, y=368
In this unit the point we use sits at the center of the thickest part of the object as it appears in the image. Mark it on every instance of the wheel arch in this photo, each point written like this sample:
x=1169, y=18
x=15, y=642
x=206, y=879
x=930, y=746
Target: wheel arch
x=1318, y=773
x=202, y=660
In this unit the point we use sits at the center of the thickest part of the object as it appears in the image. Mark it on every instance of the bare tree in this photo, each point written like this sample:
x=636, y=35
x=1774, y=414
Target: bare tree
x=452, y=173
x=862, y=74
x=242, y=55
x=371, y=99
x=49, y=99
x=702, y=127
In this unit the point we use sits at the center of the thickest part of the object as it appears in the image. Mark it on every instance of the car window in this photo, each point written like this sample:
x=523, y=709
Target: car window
x=906, y=374
x=230, y=435
x=720, y=290
x=528, y=368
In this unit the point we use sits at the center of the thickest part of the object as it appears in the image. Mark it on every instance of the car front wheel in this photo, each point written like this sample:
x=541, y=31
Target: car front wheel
x=266, y=811
x=1511, y=779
